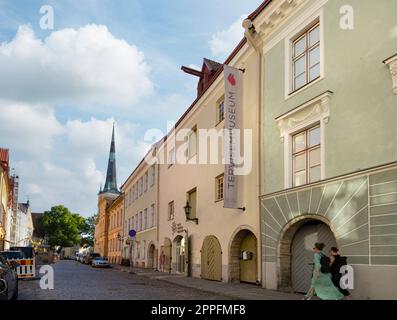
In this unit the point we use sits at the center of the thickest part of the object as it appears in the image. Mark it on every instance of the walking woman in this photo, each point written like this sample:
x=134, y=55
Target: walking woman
x=322, y=284
x=337, y=261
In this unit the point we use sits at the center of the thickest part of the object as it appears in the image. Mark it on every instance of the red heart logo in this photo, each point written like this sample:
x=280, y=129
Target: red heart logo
x=231, y=79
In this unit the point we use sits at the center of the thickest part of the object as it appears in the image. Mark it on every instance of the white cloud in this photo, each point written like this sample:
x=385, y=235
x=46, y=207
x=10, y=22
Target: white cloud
x=84, y=66
x=63, y=160
x=33, y=189
x=28, y=129
x=64, y=163
x=223, y=42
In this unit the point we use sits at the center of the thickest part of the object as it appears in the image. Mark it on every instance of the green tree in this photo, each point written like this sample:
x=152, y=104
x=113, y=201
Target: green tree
x=62, y=227
x=88, y=236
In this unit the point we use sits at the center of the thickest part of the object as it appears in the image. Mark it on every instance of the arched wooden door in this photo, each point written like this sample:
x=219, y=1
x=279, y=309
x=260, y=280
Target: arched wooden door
x=249, y=265
x=166, y=252
x=211, y=259
x=152, y=257
x=302, y=252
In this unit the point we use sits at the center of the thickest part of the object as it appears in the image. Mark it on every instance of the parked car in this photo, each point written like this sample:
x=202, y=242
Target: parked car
x=8, y=280
x=90, y=256
x=80, y=257
x=100, y=263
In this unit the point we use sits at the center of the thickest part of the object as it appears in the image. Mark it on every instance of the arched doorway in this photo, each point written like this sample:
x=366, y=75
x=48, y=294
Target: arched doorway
x=166, y=256
x=152, y=257
x=296, y=252
x=179, y=254
x=243, y=264
x=211, y=259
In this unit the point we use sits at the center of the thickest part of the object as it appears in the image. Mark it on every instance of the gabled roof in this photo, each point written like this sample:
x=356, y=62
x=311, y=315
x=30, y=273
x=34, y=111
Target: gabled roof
x=212, y=65
x=236, y=50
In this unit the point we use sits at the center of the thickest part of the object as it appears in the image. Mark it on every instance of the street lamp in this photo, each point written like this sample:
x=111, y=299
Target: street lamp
x=188, y=210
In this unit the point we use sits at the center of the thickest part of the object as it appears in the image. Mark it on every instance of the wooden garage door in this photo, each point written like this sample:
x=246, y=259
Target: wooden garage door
x=302, y=253
x=211, y=259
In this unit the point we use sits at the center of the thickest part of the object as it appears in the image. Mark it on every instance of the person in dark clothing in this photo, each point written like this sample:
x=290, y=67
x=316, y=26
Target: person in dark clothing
x=337, y=261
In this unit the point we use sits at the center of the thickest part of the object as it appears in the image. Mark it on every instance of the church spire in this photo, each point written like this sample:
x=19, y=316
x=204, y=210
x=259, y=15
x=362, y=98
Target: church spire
x=111, y=182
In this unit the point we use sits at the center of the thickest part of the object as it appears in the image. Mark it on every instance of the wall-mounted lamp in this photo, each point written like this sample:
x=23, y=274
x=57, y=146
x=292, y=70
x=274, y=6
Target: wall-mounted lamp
x=188, y=211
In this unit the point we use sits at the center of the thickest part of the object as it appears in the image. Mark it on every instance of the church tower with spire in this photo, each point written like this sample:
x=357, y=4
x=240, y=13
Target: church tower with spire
x=111, y=179
x=106, y=197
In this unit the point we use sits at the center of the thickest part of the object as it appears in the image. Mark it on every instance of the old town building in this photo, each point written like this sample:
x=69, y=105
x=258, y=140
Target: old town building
x=141, y=214
x=209, y=240
x=115, y=223
x=328, y=151
x=23, y=226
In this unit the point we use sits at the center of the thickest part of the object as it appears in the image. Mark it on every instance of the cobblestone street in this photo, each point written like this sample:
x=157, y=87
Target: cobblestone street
x=75, y=281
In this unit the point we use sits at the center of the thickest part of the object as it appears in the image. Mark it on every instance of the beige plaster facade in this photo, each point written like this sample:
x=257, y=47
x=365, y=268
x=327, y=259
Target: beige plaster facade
x=187, y=246
x=141, y=208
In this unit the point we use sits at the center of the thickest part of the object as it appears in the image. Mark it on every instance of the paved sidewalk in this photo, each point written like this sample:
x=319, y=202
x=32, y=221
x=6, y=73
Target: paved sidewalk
x=232, y=290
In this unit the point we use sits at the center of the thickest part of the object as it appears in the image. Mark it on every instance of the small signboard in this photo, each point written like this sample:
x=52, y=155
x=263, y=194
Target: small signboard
x=132, y=233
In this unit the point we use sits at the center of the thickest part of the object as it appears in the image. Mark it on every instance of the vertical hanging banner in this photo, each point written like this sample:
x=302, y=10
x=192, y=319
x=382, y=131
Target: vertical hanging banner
x=233, y=121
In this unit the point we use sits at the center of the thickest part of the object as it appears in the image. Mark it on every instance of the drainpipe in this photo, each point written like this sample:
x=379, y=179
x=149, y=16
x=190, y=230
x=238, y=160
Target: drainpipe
x=254, y=39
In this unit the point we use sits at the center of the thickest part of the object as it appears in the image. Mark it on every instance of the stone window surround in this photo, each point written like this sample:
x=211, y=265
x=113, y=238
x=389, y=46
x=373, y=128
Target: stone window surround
x=317, y=110
x=392, y=64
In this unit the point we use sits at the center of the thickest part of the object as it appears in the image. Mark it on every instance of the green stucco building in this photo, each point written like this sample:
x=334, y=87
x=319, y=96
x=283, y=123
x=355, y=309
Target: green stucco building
x=329, y=140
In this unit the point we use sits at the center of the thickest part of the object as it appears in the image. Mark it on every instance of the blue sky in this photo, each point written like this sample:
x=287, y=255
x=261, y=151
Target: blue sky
x=105, y=61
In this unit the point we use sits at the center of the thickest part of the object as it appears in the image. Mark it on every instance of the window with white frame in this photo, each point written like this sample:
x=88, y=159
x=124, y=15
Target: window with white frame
x=171, y=210
x=192, y=143
x=140, y=186
x=146, y=180
x=140, y=221
x=306, y=56
x=153, y=215
x=220, y=110
x=144, y=249
x=171, y=157
x=153, y=175
x=145, y=222
x=219, y=180
x=306, y=156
